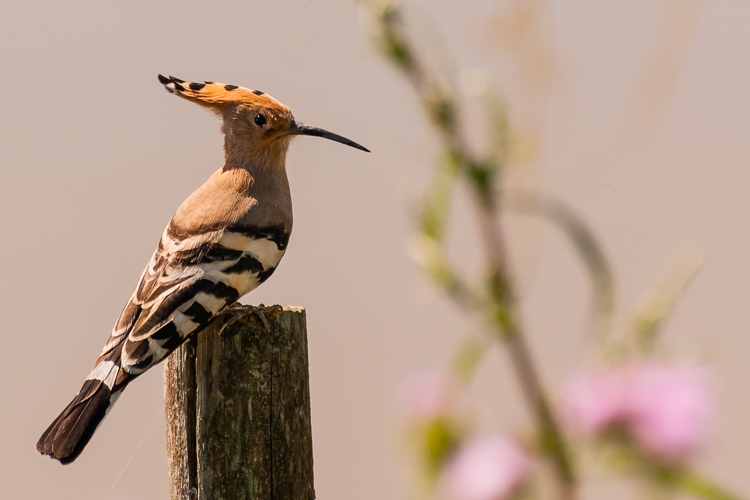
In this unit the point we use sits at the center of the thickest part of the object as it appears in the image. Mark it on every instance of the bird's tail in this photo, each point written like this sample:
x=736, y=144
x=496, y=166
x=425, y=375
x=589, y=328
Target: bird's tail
x=66, y=437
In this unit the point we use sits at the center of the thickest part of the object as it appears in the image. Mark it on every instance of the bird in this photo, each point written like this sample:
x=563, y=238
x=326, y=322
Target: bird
x=225, y=239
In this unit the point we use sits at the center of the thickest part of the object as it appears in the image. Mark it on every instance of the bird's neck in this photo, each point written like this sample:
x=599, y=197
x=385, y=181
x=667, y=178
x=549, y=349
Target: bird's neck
x=267, y=181
x=258, y=160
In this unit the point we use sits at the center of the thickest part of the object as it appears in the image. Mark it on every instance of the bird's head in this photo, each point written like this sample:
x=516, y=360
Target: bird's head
x=254, y=122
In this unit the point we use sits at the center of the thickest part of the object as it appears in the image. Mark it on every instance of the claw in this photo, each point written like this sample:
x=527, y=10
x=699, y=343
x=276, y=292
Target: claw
x=263, y=319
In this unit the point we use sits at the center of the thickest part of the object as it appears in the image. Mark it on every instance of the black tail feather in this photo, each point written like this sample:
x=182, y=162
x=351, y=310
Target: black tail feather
x=66, y=437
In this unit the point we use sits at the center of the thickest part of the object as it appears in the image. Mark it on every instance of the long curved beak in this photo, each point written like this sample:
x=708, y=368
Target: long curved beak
x=298, y=128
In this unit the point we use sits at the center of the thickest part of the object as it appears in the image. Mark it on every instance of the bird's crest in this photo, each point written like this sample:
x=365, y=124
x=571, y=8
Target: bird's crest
x=213, y=94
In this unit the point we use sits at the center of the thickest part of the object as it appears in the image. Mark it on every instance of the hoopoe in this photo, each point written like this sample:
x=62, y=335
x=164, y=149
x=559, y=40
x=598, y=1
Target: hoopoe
x=224, y=240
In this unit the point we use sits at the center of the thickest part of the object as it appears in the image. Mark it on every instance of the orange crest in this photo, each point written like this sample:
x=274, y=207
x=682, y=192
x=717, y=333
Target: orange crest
x=214, y=94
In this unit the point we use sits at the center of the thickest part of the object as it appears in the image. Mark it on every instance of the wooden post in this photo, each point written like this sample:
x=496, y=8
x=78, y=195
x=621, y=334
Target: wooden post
x=237, y=404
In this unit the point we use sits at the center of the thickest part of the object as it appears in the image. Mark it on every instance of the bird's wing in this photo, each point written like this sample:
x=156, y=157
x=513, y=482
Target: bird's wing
x=178, y=294
x=188, y=282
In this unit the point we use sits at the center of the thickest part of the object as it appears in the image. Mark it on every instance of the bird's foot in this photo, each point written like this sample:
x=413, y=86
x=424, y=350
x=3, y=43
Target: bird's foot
x=237, y=311
x=262, y=318
x=232, y=314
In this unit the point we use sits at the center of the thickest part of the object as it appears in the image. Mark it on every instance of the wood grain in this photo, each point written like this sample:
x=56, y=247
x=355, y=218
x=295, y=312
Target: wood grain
x=237, y=404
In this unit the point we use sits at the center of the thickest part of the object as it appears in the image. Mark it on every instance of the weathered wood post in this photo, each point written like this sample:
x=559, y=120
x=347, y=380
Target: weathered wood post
x=237, y=404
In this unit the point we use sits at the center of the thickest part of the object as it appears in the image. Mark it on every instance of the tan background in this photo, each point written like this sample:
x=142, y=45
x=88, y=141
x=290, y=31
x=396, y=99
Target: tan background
x=96, y=157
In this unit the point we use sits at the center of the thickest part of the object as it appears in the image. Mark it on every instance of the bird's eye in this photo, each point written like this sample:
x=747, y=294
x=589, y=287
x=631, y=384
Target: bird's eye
x=260, y=120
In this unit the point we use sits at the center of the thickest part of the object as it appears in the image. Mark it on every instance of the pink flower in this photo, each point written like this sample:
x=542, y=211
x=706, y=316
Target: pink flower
x=595, y=400
x=487, y=467
x=427, y=395
x=671, y=409
x=667, y=410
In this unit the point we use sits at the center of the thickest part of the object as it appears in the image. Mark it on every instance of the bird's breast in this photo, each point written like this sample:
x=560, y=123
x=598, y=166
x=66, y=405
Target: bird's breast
x=260, y=250
x=259, y=246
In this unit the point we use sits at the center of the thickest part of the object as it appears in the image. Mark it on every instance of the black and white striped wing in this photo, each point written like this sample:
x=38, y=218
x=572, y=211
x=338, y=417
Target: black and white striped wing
x=187, y=283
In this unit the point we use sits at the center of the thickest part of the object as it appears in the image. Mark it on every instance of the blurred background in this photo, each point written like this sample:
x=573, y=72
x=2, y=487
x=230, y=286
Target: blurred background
x=634, y=113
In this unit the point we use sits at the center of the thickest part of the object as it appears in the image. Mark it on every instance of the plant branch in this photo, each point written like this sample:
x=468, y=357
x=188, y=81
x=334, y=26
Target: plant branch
x=442, y=110
x=603, y=294
x=690, y=482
